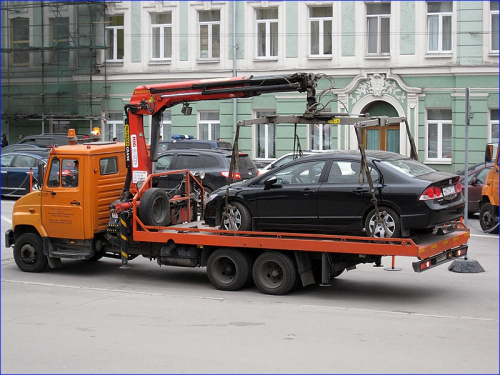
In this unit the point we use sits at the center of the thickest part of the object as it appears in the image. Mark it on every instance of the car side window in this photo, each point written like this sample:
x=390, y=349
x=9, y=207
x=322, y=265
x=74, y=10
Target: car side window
x=23, y=161
x=301, y=174
x=348, y=172
x=163, y=162
x=209, y=161
x=481, y=177
x=188, y=162
x=7, y=160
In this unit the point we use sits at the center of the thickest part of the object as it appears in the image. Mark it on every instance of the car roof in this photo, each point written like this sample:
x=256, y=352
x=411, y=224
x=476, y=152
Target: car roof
x=220, y=151
x=346, y=154
x=28, y=152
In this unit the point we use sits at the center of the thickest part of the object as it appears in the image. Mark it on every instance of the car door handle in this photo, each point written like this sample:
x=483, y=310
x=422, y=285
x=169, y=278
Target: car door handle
x=360, y=191
x=307, y=191
x=76, y=203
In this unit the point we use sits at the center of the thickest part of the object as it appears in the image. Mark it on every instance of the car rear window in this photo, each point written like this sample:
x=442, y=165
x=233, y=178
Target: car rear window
x=245, y=164
x=409, y=167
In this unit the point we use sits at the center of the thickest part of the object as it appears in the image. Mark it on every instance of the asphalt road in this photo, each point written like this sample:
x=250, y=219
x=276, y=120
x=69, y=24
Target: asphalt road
x=97, y=318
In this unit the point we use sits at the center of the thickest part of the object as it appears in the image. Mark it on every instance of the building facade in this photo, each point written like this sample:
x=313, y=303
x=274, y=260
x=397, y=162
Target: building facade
x=76, y=64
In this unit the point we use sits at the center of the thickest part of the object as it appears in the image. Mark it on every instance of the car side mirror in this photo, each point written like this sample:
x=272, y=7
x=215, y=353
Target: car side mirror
x=270, y=182
x=488, y=154
x=473, y=181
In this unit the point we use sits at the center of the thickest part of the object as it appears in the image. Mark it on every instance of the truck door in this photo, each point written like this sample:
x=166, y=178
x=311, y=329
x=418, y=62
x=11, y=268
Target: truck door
x=62, y=200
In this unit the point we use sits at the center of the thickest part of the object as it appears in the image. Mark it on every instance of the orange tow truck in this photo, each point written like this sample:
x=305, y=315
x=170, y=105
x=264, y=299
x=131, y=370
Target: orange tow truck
x=99, y=200
x=490, y=195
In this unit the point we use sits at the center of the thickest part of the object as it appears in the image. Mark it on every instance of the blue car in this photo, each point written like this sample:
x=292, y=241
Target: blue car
x=16, y=167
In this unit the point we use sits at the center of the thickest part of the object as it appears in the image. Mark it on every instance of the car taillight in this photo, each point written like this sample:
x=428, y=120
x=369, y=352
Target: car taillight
x=458, y=187
x=236, y=175
x=432, y=192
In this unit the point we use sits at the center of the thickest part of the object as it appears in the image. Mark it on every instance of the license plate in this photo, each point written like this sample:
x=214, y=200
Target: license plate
x=440, y=258
x=447, y=191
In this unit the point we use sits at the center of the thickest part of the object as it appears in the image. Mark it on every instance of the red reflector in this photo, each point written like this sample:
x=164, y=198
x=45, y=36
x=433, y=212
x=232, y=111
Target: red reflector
x=458, y=187
x=425, y=265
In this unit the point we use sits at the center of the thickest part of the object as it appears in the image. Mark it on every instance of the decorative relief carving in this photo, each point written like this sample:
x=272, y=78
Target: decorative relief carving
x=378, y=86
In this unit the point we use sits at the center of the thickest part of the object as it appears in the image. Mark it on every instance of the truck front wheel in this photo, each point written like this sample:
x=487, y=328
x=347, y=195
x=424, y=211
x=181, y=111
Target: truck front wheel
x=274, y=273
x=28, y=253
x=487, y=218
x=229, y=269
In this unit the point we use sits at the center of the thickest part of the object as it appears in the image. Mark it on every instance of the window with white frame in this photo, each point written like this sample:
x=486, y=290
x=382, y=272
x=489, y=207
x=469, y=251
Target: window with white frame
x=494, y=126
x=20, y=31
x=320, y=29
x=114, y=38
x=161, y=36
x=266, y=137
x=59, y=30
x=439, y=25
x=209, y=125
x=267, y=32
x=166, y=126
x=439, y=134
x=379, y=28
x=209, y=34
x=114, y=127
x=494, y=25
x=320, y=136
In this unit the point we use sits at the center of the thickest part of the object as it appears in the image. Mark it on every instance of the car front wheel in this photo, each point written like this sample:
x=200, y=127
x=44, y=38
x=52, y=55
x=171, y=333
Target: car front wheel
x=237, y=217
x=388, y=226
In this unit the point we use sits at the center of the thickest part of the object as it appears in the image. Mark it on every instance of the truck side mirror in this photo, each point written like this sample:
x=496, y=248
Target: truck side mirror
x=40, y=174
x=488, y=154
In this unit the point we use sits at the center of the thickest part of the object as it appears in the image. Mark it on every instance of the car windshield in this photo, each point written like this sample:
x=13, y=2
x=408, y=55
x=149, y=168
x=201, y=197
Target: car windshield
x=409, y=167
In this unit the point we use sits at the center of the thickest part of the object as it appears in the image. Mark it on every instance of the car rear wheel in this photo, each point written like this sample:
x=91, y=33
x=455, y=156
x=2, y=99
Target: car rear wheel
x=237, y=217
x=487, y=219
x=388, y=227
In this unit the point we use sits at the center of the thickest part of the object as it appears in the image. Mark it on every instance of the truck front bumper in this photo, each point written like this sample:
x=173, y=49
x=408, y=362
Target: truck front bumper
x=9, y=238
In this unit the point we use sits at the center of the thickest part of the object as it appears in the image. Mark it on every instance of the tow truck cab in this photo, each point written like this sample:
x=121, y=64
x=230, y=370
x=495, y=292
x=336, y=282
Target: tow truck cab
x=70, y=211
x=488, y=214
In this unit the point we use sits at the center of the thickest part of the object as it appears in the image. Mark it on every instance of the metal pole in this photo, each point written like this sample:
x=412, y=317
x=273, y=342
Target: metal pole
x=235, y=47
x=466, y=173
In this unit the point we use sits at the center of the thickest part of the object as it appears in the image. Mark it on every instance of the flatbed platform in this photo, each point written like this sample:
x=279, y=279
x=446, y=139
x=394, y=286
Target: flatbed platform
x=199, y=234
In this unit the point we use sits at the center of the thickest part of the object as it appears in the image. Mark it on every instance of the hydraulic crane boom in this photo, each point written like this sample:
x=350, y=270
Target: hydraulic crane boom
x=154, y=99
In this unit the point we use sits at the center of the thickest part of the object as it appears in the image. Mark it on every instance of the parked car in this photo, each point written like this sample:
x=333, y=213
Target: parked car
x=327, y=193
x=16, y=169
x=213, y=163
x=46, y=140
x=187, y=142
x=475, y=182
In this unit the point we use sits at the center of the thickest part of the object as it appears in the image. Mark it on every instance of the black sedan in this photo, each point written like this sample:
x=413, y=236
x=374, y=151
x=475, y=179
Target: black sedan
x=327, y=193
x=16, y=169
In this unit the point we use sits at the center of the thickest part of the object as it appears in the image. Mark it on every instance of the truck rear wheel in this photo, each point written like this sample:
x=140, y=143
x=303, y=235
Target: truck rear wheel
x=155, y=208
x=229, y=269
x=28, y=253
x=487, y=218
x=274, y=273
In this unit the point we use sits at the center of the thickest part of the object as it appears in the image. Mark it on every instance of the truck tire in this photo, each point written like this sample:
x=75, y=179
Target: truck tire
x=241, y=216
x=487, y=218
x=391, y=219
x=28, y=253
x=154, y=208
x=274, y=273
x=229, y=269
